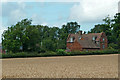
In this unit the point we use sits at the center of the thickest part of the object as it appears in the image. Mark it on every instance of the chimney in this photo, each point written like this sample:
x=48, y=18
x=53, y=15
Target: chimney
x=79, y=32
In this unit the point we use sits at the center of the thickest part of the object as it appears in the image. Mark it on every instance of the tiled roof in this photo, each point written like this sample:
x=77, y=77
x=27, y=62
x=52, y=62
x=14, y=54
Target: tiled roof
x=86, y=40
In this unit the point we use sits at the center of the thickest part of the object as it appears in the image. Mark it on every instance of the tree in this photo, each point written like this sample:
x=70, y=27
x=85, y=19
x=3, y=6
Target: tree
x=14, y=37
x=26, y=37
x=116, y=29
x=32, y=43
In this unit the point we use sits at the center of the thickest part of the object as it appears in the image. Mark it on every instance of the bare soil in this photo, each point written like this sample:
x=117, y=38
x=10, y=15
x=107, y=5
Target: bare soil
x=90, y=66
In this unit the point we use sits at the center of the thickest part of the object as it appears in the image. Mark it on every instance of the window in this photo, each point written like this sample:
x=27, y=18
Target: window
x=94, y=38
x=97, y=42
x=103, y=39
x=71, y=39
x=103, y=46
x=80, y=38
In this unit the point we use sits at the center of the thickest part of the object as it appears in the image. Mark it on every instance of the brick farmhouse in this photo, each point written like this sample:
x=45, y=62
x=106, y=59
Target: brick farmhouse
x=91, y=41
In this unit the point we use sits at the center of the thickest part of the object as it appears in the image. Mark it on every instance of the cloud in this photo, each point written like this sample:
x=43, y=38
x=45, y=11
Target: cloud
x=5, y=1
x=119, y=7
x=38, y=19
x=13, y=11
x=15, y=16
x=8, y=7
x=90, y=11
x=1, y=32
x=44, y=24
x=40, y=0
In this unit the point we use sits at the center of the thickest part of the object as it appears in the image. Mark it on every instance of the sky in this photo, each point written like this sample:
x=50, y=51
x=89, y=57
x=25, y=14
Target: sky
x=56, y=12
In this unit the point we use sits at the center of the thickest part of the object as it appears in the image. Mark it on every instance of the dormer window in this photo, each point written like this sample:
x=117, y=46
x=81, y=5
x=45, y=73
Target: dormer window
x=94, y=38
x=71, y=39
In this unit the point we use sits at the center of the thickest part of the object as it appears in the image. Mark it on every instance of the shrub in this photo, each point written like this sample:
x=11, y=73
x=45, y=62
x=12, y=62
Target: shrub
x=48, y=53
x=112, y=46
x=107, y=51
x=75, y=52
x=18, y=55
x=61, y=52
x=41, y=50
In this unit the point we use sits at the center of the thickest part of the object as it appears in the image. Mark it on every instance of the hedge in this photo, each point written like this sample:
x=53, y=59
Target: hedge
x=97, y=52
x=59, y=52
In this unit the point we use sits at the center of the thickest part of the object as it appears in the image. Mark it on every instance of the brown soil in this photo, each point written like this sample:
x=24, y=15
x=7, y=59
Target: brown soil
x=95, y=66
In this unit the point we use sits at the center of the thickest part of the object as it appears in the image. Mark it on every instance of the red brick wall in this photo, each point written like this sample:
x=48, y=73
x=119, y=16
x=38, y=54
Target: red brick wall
x=103, y=42
x=74, y=46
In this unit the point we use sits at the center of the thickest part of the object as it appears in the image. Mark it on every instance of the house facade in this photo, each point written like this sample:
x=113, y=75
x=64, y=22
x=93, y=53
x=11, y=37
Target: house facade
x=91, y=41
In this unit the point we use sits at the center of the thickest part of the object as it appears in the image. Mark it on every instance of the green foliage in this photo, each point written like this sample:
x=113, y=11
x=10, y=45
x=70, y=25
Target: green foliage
x=61, y=52
x=48, y=45
x=15, y=36
x=48, y=53
x=26, y=54
x=41, y=50
x=112, y=46
x=97, y=52
x=19, y=55
x=116, y=29
x=36, y=38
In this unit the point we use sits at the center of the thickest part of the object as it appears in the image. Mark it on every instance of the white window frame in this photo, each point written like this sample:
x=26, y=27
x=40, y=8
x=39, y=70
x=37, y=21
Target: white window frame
x=71, y=39
x=93, y=38
x=103, y=39
x=103, y=46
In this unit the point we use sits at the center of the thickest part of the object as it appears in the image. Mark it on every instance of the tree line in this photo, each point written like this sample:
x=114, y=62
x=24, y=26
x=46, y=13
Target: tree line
x=26, y=37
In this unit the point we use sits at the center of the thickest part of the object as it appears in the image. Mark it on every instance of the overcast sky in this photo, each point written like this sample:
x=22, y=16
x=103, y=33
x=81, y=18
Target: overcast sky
x=86, y=12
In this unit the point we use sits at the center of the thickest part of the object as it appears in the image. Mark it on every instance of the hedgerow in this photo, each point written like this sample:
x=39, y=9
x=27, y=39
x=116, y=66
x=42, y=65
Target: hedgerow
x=59, y=52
